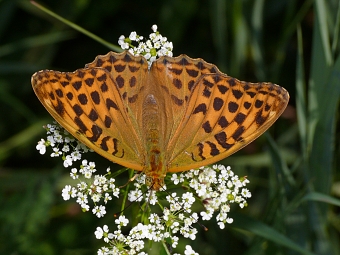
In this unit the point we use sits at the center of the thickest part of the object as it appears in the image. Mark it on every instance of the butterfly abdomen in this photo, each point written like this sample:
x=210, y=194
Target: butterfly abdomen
x=151, y=119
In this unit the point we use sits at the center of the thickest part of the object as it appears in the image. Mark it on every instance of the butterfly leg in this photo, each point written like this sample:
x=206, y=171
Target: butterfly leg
x=131, y=180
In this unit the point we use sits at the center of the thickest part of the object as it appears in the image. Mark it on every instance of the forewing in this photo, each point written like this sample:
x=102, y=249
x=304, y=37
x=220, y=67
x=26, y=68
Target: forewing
x=130, y=75
x=224, y=115
x=88, y=104
x=175, y=78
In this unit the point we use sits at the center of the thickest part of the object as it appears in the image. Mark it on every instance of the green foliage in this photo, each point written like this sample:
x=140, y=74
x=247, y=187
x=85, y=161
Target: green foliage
x=293, y=170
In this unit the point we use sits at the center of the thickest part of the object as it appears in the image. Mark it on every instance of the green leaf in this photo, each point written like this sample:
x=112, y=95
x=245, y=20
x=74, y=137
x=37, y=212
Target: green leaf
x=260, y=229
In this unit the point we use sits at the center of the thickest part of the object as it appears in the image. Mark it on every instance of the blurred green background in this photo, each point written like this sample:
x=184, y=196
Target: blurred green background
x=293, y=168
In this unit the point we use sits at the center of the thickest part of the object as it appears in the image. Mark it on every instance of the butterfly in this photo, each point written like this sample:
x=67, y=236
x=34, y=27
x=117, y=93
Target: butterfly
x=178, y=114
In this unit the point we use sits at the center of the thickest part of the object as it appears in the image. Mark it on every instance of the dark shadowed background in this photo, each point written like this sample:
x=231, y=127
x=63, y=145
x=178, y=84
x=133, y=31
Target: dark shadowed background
x=293, y=168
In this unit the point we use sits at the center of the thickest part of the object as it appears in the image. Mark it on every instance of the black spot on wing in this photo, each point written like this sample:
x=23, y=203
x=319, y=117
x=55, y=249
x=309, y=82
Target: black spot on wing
x=59, y=93
x=177, y=83
x=192, y=73
x=232, y=82
x=59, y=108
x=223, y=89
x=80, y=124
x=120, y=81
x=176, y=100
x=237, y=93
x=218, y=103
x=239, y=118
x=51, y=95
x=96, y=133
x=95, y=97
x=93, y=115
x=232, y=107
x=260, y=119
x=103, y=77
x=89, y=82
x=213, y=149
x=132, y=81
x=200, y=108
x=207, y=127
x=206, y=92
x=251, y=94
x=77, y=85
x=258, y=103
x=222, y=122
x=246, y=105
x=82, y=99
x=103, y=144
x=111, y=104
x=104, y=87
x=208, y=83
x=77, y=109
x=69, y=95
x=239, y=131
x=119, y=68
x=107, y=122
x=221, y=138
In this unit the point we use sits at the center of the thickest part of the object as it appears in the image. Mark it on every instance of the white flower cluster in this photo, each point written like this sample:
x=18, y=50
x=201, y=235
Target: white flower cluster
x=215, y=187
x=155, y=231
x=156, y=46
x=62, y=143
x=96, y=186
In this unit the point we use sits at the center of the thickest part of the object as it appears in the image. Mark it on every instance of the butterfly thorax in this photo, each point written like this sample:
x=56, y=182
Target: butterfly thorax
x=155, y=170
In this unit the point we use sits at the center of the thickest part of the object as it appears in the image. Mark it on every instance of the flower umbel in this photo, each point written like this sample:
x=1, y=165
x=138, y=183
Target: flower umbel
x=156, y=46
x=216, y=187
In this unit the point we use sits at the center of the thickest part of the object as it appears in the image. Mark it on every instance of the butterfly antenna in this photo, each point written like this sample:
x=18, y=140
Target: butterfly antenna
x=136, y=200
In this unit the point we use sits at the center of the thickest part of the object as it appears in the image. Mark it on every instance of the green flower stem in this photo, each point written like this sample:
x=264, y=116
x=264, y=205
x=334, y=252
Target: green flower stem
x=78, y=28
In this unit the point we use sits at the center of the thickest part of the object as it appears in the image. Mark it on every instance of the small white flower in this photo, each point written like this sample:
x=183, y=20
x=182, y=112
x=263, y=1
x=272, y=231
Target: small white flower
x=124, y=45
x=95, y=198
x=56, y=153
x=175, y=179
x=174, y=240
x=221, y=225
x=154, y=28
x=76, y=155
x=50, y=139
x=122, y=221
x=104, y=251
x=99, y=211
x=107, y=198
x=82, y=198
x=87, y=174
x=106, y=234
x=206, y=216
x=229, y=220
x=135, y=195
x=66, y=148
x=133, y=36
x=99, y=233
x=41, y=146
x=82, y=186
x=68, y=161
x=85, y=207
x=69, y=192
x=189, y=251
x=246, y=193
x=74, y=174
